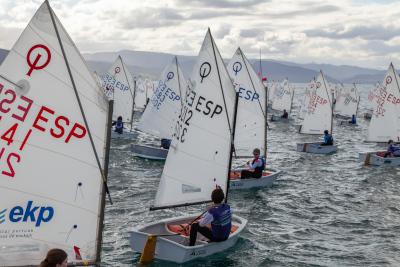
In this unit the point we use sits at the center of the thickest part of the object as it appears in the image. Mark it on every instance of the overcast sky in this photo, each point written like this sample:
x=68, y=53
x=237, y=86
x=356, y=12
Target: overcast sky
x=364, y=33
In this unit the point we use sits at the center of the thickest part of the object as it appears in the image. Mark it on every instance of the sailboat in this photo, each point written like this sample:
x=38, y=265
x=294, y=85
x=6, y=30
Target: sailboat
x=159, y=118
x=54, y=148
x=306, y=98
x=140, y=95
x=251, y=122
x=272, y=92
x=385, y=121
x=319, y=117
x=373, y=96
x=283, y=100
x=118, y=85
x=199, y=160
x=347, y=102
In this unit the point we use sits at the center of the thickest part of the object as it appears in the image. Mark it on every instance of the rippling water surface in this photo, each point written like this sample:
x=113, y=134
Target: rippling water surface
x=326, y=210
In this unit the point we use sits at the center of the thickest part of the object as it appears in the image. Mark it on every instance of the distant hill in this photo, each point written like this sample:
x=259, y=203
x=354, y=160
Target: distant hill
x=152, y=63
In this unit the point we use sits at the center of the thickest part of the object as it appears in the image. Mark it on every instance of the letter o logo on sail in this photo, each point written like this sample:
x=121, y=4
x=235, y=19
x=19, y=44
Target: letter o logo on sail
x=388, y=80
x=318, y=84
x=117, y=70
x=170, y=75
x=237, y=66
x=205, y=70
x=35, y=64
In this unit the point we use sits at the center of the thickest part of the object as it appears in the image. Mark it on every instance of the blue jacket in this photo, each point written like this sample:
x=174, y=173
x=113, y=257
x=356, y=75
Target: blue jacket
x=222, y=223
x=392, y=148
x=119, y=127
x=328, y=139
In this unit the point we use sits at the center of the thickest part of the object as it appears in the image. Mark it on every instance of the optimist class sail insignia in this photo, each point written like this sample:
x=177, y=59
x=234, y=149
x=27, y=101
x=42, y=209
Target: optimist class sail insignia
x=52, y=140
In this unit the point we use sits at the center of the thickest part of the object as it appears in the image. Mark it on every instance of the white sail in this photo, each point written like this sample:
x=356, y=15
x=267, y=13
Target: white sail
x=51, y=185
x=117, y=84
x=165, y=105
x=306, y=98
x=149, y=89
x=273, y=91
x=385, y=121
x=97, y=78
x=140, y=94
x=347, y=102
x=250, y=120
x=199, y=155
x=319, y=109
x=373, y=96
x=283, y=97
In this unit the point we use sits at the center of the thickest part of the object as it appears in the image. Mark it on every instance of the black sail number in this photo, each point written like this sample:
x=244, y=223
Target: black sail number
x=183, y=123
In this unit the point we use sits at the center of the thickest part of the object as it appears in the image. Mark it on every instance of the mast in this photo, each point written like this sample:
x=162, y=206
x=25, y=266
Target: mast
x=231, y=129
x=219, y=79
x=133, y=103
x=251, y=80
x=330, y=100
x=332, y=107
x=126, y=77
x=78, y=99
x=266, y=123
x=232, y=146
x=258, y=100
x=103, y=202
x=179, y=80
x=260, y=66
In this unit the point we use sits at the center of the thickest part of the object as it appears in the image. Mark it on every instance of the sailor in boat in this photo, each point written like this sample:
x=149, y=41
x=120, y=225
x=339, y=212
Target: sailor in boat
x=55, y=258
x=353, y=119
x=393, y=150
x=328, y=139
x=255, y=166
x=219, y=216
x=165, y=143
x=285, y=115
x=119, y=125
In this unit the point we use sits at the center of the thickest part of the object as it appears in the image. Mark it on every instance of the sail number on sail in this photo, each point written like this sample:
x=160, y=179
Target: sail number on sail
x=199, y=104
x=382, y=98
x=59, y=127
x=315, y=100
x=163, y=92
x=109, y=82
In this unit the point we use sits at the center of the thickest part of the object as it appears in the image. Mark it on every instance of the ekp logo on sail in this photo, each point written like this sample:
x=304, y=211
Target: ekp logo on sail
x=27, y=214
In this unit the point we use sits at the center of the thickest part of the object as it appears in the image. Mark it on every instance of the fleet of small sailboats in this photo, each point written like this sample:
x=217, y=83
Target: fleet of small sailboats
x=56, y=128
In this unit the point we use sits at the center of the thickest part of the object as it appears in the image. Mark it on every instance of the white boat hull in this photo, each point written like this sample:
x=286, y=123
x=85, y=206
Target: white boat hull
x=316, y=148
x=175, y=248
x=367, y=115
x=149, y=152
x=278, y=118
x=265, y=181
x=126, y=134
x=371, y=158
x=342, y=117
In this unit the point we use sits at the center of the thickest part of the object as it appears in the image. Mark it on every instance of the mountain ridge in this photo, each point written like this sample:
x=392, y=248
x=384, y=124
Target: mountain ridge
x=151, y=64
